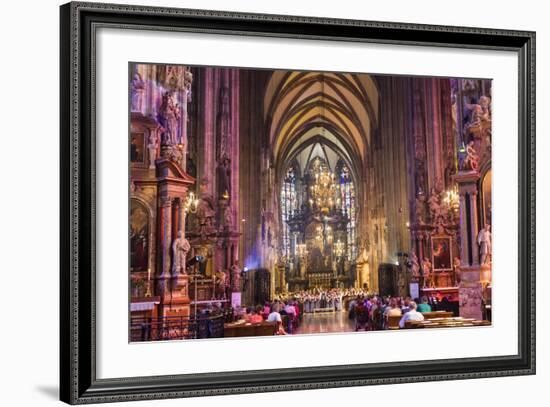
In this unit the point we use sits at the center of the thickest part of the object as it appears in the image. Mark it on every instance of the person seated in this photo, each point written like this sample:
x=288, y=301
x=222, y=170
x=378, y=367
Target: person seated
x=393, y=309
x=361, y=314
x=405, y=307
x=275, y=316
x=424, y=306
x=256, y=316
x=412, y=315
x=248, y=313
x=266, y=310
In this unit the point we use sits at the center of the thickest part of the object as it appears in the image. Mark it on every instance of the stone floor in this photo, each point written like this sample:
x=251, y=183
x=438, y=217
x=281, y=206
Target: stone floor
x=326, y=322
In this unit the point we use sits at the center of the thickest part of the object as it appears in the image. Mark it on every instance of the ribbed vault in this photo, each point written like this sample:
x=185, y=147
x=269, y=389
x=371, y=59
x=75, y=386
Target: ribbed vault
x=341, y=108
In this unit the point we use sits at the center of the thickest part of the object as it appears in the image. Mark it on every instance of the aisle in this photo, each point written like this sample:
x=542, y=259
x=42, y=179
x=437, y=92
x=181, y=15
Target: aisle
x=325, y=323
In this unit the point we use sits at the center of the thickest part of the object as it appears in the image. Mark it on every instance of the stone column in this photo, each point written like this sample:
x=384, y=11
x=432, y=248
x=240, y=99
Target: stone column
x=179, y=296
x=470, y=290
x=474, y=226
x=163, y=279
x=181, y=216
x=166, y=237
x=464, y=253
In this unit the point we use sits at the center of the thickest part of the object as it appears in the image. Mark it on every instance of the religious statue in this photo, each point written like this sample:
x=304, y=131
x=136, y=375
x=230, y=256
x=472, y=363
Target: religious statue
x=458, y=270
x=224, y=124
x=427, y=272
x=152, y=148
x=434, y=203
x=480, y=119
x=269, y=237
x=235, y=277
x=220, y=280
x=206, y=211
x=485, y=103
x=420, y=208
x=484, y=242
x=224, y=179
x=180, y=248
x=469, y=86
x=138, y=91
x=414, y=266
x=169, y=118
x=228, y=218
x=470, y=162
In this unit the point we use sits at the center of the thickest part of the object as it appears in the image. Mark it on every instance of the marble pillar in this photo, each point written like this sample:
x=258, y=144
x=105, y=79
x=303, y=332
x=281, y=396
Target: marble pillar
x=166, y=236
x=470, y=289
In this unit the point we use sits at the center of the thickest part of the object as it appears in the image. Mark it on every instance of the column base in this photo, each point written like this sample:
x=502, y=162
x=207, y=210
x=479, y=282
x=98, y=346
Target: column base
x=470, y=292
x=180, y=304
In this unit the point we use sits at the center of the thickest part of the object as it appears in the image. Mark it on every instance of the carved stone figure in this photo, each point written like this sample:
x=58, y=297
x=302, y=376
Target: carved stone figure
x=485, y=103
x=235, y=277
x=224, y=125
x=457, y=263
x=224, y=179
x=228, y=218
x=220, y=279
x=206, y=211
x=169, y=118
x=469, y=86
x=427, y=272
x=180, y=248
x=480, y=118
x=152, y=148
x=138, y=91
x=434, y=203
x=470, y=162
x=414, y=267
x=420, y=175
x=420, y=208
x=484, y=242
x=363, y=266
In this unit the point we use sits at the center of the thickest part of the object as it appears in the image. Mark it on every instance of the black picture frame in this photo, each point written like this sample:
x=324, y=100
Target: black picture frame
x=78, y=382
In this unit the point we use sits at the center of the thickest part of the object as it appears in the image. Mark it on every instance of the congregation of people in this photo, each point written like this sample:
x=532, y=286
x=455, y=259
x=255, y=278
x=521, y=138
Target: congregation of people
x=368, y=311
x=373, y=312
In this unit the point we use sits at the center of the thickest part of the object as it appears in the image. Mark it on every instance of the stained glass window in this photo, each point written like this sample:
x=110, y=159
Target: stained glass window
x=347, y=191
x=288, y=206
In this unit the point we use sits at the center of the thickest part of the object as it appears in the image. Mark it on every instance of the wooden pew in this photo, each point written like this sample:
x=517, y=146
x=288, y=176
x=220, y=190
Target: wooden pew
x=437, y=314
x=449, y=322
x=393, y=321
x=239, y=330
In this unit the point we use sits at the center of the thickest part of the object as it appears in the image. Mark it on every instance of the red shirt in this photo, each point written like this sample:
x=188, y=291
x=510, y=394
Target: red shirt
x=254, y=319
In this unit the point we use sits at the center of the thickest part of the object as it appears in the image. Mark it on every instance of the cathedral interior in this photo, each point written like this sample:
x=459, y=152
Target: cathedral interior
x=250, y=187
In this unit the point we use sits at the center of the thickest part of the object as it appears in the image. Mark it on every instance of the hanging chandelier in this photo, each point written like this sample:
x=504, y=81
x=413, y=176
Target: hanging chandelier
x=323, y=191
x=452, y=199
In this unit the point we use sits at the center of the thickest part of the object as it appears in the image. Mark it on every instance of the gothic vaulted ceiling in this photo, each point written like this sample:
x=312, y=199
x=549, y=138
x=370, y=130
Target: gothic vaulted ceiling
x=300, y=108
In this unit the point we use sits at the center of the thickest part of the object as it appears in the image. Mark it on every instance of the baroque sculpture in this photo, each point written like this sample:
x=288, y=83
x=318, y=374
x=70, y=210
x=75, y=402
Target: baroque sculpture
x=138, y=91
x=152, y=148
x=470, y=161
x=180, y=248
x=169, y=118
x=235, y=277
x=427, y=272
x=484, y=242
x=434, y=203
x=414, y=267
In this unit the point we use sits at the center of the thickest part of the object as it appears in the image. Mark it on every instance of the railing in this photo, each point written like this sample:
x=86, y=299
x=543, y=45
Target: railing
x=173, y=327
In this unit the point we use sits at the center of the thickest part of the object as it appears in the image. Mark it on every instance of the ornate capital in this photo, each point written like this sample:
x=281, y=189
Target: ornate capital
x=166, y=201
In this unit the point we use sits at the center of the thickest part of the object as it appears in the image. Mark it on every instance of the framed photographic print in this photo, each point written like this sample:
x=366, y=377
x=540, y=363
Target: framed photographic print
x=238, y=184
